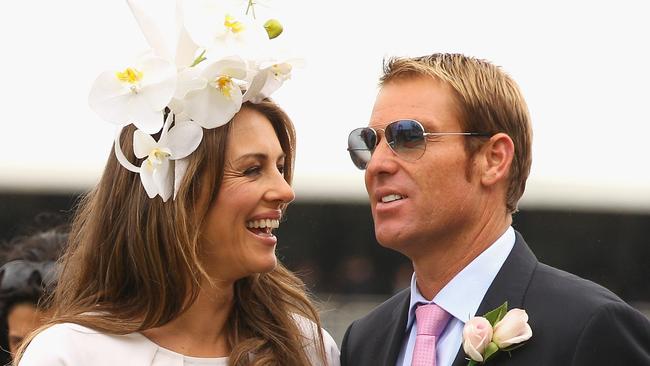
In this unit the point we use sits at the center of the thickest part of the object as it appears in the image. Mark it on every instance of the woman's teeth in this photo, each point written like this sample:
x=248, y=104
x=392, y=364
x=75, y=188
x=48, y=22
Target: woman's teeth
x=264, y=223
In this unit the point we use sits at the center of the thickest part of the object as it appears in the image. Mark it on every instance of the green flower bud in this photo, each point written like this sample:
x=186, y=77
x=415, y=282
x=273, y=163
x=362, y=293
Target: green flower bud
x=273, y=28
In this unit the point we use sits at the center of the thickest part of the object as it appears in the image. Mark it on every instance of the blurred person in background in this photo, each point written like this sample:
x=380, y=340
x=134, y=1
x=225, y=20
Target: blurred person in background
x=27, y=277
x=446, y=156
x=172, y=256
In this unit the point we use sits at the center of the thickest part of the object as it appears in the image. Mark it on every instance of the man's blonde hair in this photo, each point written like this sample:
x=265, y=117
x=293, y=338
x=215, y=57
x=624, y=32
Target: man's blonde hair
x=488, y=100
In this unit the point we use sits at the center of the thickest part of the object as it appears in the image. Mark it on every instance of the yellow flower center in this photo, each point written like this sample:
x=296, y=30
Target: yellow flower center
x=156, y=157
x=233, y=25
x=224, y=84
x=129, y=75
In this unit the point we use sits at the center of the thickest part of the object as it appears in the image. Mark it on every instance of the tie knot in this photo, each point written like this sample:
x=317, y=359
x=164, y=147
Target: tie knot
x=431, y=319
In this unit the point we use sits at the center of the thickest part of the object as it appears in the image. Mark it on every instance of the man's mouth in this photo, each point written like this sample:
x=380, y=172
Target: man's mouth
x=391, y=198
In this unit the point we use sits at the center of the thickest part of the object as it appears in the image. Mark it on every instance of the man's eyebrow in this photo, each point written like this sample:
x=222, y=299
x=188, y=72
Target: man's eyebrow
x=256, y=156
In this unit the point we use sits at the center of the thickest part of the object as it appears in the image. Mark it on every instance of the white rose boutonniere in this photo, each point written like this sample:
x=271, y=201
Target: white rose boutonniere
x=498, y=330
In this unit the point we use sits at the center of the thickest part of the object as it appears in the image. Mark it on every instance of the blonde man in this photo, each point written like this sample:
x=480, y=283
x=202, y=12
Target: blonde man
x=447, y=153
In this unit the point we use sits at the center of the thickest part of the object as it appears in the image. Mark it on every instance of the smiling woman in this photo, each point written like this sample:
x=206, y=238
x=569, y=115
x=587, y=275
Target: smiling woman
x=193, y=277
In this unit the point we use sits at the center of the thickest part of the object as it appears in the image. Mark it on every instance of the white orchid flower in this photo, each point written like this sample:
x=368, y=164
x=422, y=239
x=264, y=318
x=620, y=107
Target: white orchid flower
x=222, y=24
x=220, y=96
x=136, y=94
x=267, y=80
x=174, y=144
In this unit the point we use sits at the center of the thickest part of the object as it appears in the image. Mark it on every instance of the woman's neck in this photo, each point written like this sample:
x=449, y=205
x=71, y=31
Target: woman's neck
x=200, y=331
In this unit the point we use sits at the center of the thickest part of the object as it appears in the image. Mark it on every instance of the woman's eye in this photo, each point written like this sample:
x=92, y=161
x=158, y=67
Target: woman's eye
x=254, y=170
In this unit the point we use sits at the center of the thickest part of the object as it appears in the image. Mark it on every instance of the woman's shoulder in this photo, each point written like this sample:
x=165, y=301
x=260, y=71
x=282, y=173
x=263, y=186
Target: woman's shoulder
x=74, y=344
x=310, y=330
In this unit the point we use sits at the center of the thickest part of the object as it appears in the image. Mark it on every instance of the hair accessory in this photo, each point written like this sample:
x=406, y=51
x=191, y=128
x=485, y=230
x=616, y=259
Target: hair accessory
x=216, y=59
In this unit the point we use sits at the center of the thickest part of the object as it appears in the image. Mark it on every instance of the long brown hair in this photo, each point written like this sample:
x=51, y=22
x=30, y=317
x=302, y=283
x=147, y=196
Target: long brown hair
x=133, y=262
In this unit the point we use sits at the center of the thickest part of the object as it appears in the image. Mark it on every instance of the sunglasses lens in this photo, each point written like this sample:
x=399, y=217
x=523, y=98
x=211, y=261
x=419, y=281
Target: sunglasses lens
x=361, y=143
x=406, y=138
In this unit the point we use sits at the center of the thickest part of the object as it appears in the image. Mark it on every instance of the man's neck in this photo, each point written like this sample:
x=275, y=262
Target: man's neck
x=439, y=263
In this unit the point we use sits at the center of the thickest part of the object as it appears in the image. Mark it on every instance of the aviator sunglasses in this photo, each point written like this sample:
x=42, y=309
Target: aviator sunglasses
x=406, y=138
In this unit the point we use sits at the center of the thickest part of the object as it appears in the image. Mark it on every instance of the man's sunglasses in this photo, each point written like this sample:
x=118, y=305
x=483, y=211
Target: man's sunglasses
x=406, y=138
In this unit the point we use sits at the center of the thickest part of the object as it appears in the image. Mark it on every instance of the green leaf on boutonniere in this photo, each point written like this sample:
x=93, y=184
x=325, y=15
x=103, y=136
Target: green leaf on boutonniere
x=514, y=346
x=490, y=351
x=497, y=314
x=472, y=363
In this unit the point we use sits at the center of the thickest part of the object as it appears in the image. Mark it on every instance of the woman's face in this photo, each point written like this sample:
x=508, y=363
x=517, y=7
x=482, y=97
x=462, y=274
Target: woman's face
x=22, y=319
x=237, y=233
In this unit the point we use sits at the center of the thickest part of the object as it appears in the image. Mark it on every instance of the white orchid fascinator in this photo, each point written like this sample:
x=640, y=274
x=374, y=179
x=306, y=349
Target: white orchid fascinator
x=212, y=57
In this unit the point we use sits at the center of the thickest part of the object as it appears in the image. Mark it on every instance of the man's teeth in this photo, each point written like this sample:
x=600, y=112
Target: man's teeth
x=263, y=223
x=391, y=198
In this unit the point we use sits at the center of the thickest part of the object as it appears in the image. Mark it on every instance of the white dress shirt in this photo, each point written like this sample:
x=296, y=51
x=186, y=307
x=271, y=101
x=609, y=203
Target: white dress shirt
x=461, y=298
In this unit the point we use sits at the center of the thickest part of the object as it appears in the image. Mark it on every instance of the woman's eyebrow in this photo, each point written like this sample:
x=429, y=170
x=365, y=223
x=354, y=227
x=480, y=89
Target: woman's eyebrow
x=256, y=156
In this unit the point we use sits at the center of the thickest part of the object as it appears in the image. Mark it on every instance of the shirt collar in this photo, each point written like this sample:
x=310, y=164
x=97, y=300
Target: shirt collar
x=462, y=295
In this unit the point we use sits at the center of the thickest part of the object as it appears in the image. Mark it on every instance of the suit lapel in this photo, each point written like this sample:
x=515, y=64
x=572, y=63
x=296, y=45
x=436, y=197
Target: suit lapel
x=510, y=284
x=391, y=336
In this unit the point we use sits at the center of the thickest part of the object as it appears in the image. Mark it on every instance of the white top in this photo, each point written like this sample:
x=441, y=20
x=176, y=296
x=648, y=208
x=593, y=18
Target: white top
x=69, y=344
x=461, y=298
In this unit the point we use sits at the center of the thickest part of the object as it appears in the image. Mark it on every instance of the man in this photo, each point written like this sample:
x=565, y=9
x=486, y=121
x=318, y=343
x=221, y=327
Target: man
x=447, y=154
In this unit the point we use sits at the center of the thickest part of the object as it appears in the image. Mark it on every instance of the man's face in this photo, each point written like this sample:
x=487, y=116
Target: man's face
x=438, y=196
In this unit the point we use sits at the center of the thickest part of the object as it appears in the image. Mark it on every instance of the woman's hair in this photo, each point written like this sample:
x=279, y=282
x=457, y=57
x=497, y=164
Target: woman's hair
x=133, y=262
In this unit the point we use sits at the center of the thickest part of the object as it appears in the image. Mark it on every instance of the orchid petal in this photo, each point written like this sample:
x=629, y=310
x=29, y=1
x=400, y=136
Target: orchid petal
x=143, y=143
x=151, y=33
x=184, y=138
x=147, y=179
x=232, y=66
x=185, y=49
x=159, y=82
x=119, y=154
x=204, y=20
x=141, y=115
x=180, y=167
x=210, y=108
x=162, y=141
x=162, y=177
x=185, y=46
x=188, y=80
x=109, y=98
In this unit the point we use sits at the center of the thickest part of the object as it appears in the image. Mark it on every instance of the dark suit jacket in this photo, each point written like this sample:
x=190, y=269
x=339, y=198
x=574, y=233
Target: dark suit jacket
x=574, y=321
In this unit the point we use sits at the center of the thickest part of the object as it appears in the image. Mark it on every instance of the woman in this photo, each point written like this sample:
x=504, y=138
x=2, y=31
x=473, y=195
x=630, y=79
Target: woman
x=26, y=278
x=193, y=280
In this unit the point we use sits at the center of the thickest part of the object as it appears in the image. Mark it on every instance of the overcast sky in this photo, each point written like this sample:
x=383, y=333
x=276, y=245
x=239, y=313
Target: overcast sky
x=583, y=67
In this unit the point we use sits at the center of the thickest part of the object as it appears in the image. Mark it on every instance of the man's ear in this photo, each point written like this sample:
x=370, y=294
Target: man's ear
x=497, y=153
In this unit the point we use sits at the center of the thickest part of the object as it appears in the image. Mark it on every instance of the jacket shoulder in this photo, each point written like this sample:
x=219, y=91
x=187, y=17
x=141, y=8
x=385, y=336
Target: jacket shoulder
x=385, y=311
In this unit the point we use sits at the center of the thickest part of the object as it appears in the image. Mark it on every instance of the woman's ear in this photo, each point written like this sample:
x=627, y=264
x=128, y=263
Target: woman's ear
x=498, y=154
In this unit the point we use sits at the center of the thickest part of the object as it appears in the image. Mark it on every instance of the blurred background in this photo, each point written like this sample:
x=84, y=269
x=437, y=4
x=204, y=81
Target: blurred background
x=581, y=65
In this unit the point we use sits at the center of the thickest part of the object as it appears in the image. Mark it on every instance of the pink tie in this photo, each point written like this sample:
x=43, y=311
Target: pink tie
x=431, y=320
